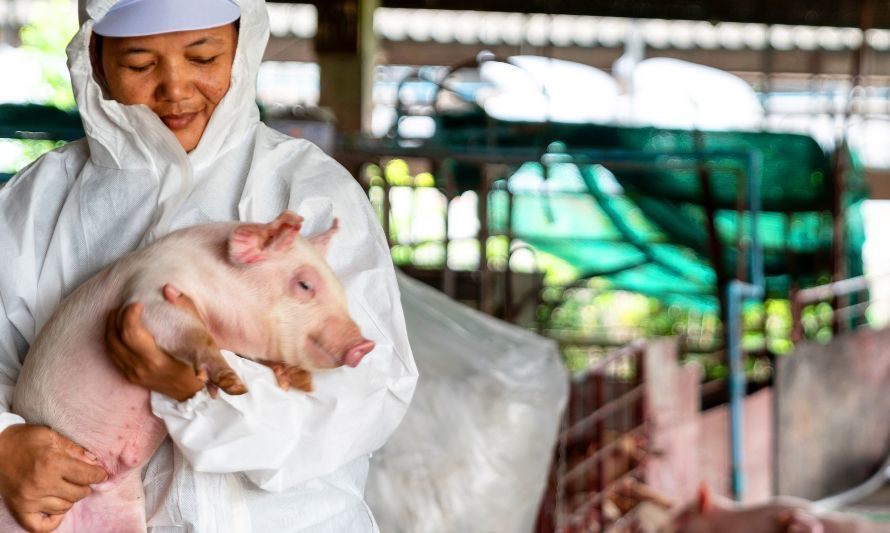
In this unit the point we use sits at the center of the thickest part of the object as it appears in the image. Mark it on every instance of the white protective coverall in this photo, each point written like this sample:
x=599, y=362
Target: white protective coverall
x=269, y=460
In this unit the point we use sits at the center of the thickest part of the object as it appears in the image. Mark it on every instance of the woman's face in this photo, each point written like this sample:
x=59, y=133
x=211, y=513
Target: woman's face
x=180, y=76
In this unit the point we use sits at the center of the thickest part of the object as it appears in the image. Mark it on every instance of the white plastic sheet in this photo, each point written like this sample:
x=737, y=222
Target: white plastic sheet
x=473, y=452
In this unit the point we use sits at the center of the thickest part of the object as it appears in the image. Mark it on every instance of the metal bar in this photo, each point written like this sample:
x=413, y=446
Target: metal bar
x=485, y=303
x=599, y=480
x=831, y=290
x=587, y=425
x=642, y=405
x=755, y=168
x=715, y=247
x=579, y=469
x=607, y=343
x=625, y=351
x=736, y=293
x=508, y=272
x=584, y=508
x=797, y=332
x=449, y=283
x=524, y=155
x=851, y=311
x=387, y=208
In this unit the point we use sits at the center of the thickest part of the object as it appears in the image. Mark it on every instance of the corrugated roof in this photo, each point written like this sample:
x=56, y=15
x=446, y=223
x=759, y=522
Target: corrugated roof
x=494, y=28
x=535, y=29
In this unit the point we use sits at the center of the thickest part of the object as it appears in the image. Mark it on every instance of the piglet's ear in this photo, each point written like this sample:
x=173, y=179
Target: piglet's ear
x=321, y=241
x=250, y=243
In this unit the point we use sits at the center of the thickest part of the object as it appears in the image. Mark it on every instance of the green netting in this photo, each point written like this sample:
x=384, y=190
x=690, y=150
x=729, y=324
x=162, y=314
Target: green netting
x=642, y=226
x=794, y=175
x=794, y=172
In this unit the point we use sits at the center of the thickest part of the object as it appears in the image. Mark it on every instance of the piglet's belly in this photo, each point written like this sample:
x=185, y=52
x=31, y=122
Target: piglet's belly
x=75, y=390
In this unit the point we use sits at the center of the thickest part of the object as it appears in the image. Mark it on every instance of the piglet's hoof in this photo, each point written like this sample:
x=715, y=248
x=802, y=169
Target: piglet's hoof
x=224, y=379
x=228, y=381
x=288, y=377
x=299, y=378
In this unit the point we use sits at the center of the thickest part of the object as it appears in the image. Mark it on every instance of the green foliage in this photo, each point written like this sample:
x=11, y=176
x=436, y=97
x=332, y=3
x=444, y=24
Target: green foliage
x=24, y=152
x=46, y=37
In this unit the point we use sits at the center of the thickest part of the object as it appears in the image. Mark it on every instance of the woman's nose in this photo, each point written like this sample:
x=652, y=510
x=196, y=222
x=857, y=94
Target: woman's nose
x=174, y=85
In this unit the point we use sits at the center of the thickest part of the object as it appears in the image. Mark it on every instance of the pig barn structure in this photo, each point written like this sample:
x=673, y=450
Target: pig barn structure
x=651, y=213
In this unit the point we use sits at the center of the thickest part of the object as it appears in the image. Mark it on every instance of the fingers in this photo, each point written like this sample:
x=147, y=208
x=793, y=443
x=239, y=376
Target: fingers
x=131, y=347
x=121, y=355
x=39, y=522
x=71, y=491
x=53, y=505
x=80, y=473
x=81, y=468
x=132, y=333
x=76, y=451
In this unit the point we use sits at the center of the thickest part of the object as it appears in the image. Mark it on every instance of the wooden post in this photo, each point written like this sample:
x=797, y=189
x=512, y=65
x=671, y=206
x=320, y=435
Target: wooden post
x=346, y=48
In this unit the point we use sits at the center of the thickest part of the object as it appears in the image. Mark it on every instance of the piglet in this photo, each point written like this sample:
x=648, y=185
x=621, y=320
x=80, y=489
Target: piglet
x=260, y=290
x=779, y=515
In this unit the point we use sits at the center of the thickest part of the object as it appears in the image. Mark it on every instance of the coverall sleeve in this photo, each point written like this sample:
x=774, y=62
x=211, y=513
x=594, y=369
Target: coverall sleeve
x=22, y=247
x=12, y=347
x=277, y=438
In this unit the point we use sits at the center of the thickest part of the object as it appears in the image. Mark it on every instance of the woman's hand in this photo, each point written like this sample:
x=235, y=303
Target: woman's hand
x=43, y=474
x=133, y=350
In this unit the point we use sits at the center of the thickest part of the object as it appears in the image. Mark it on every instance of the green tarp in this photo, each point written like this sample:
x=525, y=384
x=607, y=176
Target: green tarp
x=643, y=227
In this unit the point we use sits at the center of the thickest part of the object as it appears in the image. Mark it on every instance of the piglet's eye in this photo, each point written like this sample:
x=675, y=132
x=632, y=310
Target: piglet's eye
x=305, y=284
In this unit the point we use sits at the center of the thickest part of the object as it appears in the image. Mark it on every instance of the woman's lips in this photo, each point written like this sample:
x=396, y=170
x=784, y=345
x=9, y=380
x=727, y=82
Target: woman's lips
x=178, y=122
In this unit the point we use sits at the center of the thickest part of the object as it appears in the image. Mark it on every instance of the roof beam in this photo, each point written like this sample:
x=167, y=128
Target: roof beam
x=840, y=13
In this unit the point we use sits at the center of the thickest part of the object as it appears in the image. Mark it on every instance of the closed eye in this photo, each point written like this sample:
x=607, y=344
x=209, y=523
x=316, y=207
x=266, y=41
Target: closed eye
x=205, y=60
x=138, y=68
x=304, y=285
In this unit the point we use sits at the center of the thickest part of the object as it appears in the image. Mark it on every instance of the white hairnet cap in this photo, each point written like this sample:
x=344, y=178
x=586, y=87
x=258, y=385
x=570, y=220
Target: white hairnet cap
x=132, y=18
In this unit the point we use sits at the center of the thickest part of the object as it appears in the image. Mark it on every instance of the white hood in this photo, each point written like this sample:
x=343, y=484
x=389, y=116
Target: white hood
x=132, y=136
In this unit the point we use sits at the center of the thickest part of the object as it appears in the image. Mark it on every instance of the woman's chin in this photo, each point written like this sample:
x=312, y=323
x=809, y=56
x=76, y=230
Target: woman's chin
x=190, y=135
x=188, y=141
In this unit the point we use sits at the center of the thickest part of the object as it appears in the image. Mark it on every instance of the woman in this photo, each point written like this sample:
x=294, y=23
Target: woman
x=174, y=139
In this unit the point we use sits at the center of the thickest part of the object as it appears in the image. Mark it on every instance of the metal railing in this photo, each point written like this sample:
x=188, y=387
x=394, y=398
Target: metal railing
x=602, y=448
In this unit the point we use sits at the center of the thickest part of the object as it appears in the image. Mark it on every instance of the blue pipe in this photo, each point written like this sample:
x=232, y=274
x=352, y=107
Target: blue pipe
x=736, y=293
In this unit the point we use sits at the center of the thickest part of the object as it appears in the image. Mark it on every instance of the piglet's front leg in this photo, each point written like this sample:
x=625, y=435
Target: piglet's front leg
x=210, y=366
x=180, y=331
x=290, y=376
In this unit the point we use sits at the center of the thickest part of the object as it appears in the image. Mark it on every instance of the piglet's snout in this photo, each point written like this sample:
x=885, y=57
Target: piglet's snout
x=355, y=354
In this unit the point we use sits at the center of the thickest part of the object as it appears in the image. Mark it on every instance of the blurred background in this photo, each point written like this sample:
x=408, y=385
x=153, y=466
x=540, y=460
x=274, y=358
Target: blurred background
x=688, y=198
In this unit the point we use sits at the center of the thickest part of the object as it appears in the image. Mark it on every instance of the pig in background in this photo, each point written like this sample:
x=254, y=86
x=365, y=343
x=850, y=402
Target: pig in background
x=712, y=514
x=260, y=290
